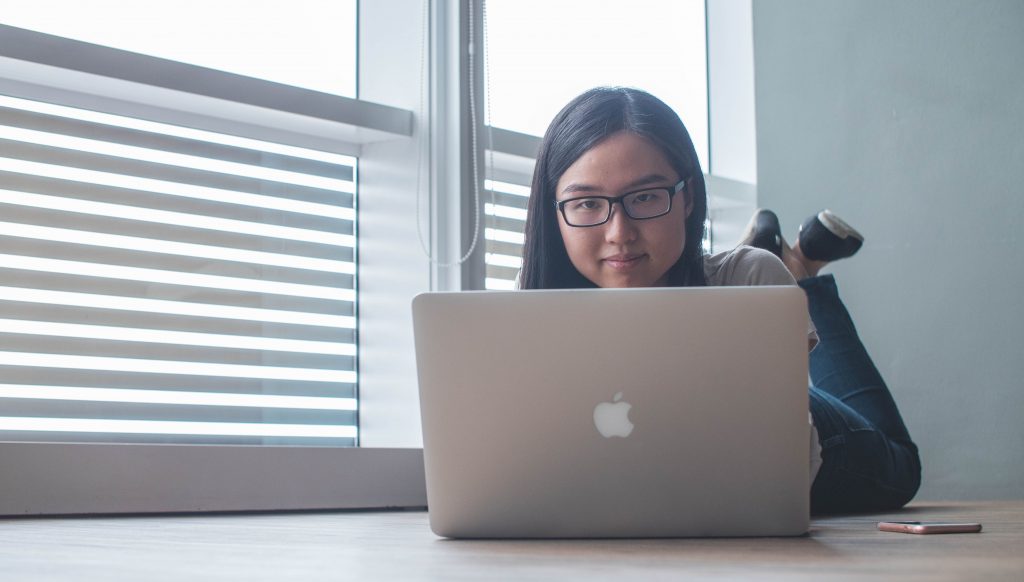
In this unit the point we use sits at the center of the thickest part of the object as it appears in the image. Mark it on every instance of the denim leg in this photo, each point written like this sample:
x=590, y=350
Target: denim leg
x=869, y=461
x=862, y=468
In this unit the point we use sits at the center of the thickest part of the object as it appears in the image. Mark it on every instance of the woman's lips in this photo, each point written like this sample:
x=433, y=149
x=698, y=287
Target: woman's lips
x=623, y=262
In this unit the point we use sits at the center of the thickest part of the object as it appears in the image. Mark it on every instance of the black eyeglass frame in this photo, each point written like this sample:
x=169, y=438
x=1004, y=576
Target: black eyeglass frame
x=672, y=191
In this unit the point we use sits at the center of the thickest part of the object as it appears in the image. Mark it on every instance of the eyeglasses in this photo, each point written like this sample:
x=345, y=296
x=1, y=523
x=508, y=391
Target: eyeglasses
x=638, y=205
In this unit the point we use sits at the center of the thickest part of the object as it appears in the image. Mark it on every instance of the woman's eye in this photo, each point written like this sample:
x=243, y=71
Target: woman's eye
x=585, y=204
x=648, y=197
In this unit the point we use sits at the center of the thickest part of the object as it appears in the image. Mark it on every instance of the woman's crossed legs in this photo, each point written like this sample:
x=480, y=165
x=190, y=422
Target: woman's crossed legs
x=869, y=462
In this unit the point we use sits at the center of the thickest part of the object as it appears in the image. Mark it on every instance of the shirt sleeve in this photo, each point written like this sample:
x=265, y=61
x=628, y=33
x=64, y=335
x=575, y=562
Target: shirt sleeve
x=755, y=266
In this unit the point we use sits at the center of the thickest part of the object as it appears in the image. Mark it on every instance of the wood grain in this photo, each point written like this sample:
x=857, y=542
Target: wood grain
x=399, y=545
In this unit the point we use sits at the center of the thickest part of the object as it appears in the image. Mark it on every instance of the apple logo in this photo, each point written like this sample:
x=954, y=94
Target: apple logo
x=612, y=419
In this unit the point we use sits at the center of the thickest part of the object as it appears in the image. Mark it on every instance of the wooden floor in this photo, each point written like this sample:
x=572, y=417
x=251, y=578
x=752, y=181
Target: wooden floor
x=399, y=546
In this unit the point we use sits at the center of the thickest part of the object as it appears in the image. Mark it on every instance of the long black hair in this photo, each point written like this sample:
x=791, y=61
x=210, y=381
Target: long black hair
x=579, y=126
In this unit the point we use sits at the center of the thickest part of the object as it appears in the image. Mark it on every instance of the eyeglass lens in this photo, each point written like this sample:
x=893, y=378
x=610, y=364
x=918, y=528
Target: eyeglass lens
x=638, y=205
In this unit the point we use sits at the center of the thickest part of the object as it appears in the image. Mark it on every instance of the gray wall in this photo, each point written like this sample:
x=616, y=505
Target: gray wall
x=907, y=118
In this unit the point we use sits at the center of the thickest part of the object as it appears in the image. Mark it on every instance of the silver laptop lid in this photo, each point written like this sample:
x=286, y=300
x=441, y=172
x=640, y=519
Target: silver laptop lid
x=514, y=386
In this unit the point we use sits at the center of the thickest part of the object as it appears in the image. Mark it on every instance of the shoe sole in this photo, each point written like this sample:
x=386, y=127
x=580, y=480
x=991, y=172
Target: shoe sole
x=838, y=226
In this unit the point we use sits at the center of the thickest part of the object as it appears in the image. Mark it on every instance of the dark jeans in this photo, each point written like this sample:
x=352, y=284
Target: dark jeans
x=869, y=462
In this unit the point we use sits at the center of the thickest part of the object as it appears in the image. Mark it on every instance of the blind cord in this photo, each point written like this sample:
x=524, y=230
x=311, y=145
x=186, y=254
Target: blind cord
x=425, y=135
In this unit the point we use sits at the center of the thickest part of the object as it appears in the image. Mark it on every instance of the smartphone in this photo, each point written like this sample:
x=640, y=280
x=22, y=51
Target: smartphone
x=928, y=527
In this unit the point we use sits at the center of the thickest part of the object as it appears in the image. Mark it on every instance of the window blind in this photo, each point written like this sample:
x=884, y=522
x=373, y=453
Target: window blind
x=166, y=284
x=505, y=222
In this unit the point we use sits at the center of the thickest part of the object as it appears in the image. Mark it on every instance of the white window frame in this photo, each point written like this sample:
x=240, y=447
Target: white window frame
x=731, y=177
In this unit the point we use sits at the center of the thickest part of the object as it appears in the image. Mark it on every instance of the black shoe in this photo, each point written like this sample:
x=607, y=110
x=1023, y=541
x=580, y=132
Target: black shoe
x=763, y=231
x=826, y=237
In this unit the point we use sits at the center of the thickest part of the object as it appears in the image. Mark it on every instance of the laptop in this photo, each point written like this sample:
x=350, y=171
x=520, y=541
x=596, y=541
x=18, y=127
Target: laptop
x=614, y=413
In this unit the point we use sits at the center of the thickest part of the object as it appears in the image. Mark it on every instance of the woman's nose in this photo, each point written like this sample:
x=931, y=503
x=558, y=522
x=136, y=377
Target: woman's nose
x=620, y=228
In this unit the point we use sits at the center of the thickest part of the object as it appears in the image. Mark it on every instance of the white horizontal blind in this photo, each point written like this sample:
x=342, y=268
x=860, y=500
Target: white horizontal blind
x=505, y=222
x=163, y=284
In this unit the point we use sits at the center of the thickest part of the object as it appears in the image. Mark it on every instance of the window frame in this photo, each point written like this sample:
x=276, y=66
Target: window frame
x=386, y=470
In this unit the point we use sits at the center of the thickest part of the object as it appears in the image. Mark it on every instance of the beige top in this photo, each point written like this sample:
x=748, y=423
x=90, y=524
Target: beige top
x=745, y=265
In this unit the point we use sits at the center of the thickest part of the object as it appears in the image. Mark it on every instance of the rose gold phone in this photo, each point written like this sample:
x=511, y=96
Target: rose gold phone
x=928, y=527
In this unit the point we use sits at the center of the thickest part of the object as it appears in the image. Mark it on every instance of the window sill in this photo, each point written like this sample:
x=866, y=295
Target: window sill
x=77, y=478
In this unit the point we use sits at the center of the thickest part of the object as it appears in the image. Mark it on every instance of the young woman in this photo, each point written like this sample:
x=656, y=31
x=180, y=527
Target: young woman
x=618, y=200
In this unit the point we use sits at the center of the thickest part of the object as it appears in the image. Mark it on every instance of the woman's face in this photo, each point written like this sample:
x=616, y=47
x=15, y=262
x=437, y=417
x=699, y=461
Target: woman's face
x=623, y=252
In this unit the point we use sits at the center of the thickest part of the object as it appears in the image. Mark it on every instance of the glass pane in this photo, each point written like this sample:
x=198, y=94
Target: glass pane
x=305, y=43
x=162, y=284
x=541, y=54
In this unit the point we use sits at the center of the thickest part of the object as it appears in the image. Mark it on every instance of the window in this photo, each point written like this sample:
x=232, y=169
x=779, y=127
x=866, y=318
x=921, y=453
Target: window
x=173, y=285
x=174, y=188
x=301, y=43
x=542, y=54
x=506, y=220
